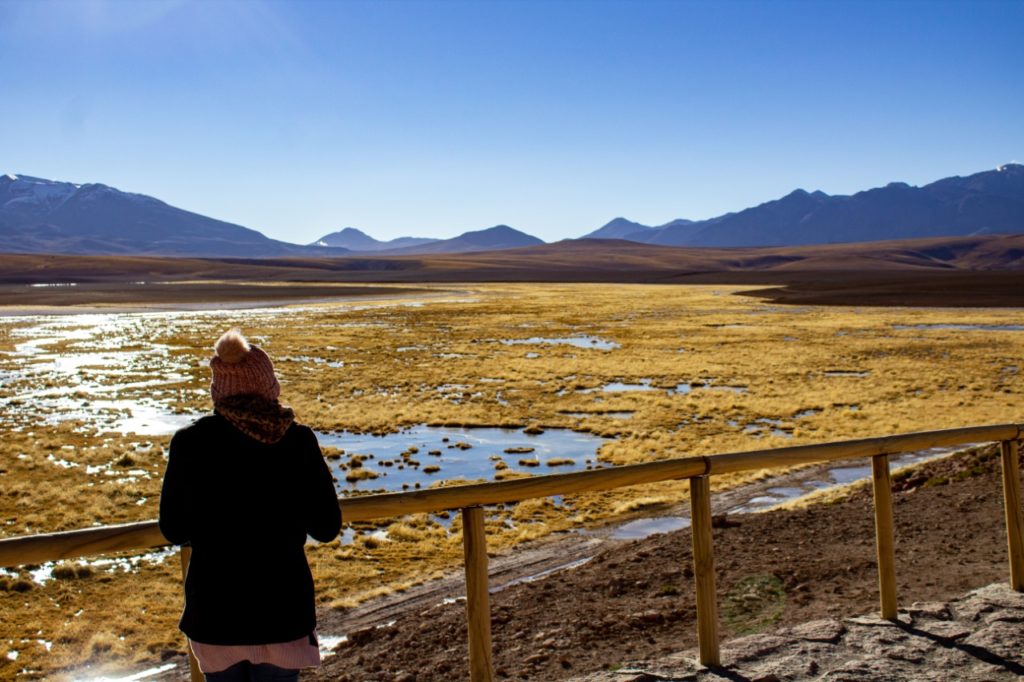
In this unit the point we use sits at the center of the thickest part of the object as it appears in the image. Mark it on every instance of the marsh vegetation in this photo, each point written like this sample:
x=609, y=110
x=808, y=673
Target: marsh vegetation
x=634, y=372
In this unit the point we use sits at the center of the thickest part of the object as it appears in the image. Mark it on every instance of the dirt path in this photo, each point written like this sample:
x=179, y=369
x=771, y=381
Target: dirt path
x=633, y=601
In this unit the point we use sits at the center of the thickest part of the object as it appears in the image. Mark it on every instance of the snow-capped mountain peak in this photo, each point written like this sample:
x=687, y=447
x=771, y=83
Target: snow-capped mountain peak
x=26, y=193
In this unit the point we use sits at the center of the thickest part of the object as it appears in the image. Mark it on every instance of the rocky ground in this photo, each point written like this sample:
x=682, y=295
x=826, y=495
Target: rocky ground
x=976, y=637
x=788, y=583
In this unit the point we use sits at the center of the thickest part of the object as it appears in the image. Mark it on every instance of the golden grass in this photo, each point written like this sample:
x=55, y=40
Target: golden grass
x=341, y=368
x=641, y=503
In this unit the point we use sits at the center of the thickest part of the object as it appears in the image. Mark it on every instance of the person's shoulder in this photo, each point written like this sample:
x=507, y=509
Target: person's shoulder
x=301, y=432
x=303, y=438
x=197, y=427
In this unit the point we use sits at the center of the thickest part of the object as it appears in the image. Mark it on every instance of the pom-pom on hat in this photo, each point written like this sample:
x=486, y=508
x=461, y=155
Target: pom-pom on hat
x=240, y=368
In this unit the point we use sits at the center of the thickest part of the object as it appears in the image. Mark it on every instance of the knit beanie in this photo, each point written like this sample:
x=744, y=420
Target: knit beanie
x=240, y=368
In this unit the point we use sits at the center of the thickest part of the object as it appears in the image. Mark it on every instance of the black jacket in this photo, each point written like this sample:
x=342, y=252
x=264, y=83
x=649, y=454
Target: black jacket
x=246, y=508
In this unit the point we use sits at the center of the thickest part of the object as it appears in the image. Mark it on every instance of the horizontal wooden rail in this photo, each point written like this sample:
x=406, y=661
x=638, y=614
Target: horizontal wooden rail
x=33, y=549
x=865, y=447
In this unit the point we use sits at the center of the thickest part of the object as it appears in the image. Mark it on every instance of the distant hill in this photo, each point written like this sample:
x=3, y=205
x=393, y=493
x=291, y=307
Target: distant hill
x=356, y=240
x=986, y=202
x=492, y=239
x=621, y=228
x=46, y=216
x=682, y=230
x=983, y=270
x=618, y=228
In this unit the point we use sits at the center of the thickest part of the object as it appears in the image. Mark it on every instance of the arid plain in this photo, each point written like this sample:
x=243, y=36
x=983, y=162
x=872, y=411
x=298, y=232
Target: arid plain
x=656, y=371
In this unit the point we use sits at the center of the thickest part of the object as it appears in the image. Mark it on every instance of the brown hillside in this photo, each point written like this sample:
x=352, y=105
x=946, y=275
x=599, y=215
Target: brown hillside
x=956, y=271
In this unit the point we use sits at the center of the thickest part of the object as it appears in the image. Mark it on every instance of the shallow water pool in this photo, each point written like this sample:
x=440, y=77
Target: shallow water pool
x=459, y=453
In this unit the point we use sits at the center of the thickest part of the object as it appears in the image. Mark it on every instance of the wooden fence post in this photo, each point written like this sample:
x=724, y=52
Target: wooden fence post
x=478, y=610
x=704, y=571
x=193, y=664
x=1014, y=515
x=884, y=543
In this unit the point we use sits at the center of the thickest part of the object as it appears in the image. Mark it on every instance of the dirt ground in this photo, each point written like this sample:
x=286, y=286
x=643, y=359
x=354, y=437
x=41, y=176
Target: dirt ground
x=975, y=271
x=635, y=602
x=948, y=289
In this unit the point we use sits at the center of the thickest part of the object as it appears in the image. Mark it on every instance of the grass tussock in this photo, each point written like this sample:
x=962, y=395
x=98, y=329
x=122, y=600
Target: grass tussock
x=641, y=503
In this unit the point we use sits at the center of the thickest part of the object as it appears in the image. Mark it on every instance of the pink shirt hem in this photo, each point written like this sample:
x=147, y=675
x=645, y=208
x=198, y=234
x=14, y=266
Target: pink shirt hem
x=299, y=653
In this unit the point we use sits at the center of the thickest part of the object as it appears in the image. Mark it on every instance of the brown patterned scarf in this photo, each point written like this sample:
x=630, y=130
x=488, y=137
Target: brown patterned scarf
x=255, y=416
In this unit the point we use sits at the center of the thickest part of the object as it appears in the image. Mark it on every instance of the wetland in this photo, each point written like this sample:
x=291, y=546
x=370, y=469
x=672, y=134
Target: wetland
x=478, y=382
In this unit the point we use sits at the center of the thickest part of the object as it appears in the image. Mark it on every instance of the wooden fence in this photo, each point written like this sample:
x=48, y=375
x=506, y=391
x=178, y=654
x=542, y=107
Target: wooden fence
x=470, y=499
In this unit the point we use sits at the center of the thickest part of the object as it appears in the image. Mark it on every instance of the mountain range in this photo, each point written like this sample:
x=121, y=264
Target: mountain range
x=47, y=216
x=986, y=202
x=492, y=238
x=356, y=240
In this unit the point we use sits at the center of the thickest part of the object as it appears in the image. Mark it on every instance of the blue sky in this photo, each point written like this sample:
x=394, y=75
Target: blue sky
x=432, y=118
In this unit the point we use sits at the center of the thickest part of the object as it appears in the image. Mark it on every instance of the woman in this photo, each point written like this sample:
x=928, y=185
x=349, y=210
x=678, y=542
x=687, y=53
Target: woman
x=244, y=487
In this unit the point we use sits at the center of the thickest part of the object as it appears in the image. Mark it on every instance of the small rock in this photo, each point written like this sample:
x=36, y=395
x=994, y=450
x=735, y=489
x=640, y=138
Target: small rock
x=754, y=646
x=361, y=637
x=676, y=614
x=902, y=654
x=646, y=618
x=973, y=609
x=874, y=621
x=651, y=616
x=1003, y=616
x=947, y=631
x=1001, y=639
x=723, y=521
x=830, y=631
x=929, y=609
